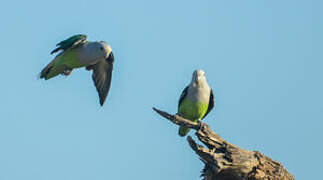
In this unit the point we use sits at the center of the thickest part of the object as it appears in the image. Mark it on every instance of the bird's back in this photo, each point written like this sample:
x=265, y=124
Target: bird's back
x=90, y=53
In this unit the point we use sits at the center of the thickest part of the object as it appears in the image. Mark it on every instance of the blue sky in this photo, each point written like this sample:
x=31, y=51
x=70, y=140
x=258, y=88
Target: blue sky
x=262, y=58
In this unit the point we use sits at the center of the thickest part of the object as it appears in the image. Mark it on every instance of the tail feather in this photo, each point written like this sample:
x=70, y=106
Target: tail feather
x=48, y=72
x=183, y=131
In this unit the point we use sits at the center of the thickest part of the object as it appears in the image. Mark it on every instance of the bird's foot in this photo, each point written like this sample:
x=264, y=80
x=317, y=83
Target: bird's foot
x=199, y=122
x=67, y=72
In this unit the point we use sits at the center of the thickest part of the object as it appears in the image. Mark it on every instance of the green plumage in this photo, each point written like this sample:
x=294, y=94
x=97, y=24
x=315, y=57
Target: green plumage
x=62, y=63
x=72, y=41
x=66, y=61
x=77, y=52
x=193, y=111
x=196, y=100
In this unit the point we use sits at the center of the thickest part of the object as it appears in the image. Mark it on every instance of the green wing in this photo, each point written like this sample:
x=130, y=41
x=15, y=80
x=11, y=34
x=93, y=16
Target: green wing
x=70, y=42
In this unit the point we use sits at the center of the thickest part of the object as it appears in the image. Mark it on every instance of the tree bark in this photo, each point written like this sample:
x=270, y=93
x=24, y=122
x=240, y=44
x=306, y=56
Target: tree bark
x=225, y=161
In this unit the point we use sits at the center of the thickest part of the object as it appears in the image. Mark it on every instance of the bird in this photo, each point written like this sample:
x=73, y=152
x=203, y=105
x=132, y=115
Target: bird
x=77, y=52
x=196, y=100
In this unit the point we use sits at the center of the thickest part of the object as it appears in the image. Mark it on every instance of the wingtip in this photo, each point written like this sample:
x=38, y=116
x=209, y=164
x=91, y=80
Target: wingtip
x=39, y=76
x=54, y=51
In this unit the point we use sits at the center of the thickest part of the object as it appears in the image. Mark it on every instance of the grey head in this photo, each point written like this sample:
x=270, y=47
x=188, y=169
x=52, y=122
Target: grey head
x=92, y=52
x=198, y=78
x=105, y=48
x=198, y=89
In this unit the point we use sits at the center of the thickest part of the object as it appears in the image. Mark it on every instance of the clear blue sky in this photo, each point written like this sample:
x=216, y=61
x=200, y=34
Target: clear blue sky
x=262, y=58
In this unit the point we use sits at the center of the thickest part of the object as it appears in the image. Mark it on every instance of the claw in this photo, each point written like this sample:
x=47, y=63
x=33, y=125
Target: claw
x=67, y=71
x=199, y=122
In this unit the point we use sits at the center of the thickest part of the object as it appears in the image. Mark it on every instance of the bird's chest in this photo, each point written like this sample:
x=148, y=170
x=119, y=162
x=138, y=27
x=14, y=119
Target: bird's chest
x=199, y=94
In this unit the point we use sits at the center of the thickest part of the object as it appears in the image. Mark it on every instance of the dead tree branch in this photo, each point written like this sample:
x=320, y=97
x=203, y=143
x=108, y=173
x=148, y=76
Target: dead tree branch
x=225, y=161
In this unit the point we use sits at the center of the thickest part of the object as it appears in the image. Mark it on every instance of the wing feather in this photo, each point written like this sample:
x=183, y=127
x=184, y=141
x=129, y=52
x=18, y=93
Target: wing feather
x=211, y=104
x=183, y=95
x=71, y=42
x=102, y=75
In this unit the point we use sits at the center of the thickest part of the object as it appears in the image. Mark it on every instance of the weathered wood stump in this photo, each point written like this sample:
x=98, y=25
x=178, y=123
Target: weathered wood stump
x=225, y=161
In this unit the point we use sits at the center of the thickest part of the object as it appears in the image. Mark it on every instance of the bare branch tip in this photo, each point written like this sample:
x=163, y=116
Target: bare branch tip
x=192, y=143
x=155, y=109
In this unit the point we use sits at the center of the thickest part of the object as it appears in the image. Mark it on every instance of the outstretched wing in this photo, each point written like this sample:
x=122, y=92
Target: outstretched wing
x=70, y=42
x=183, y=95
x=211, y=104
x=102, y=75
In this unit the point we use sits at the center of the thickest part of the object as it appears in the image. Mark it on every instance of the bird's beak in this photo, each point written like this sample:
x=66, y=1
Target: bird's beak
x=197, y=79
x=110, y=58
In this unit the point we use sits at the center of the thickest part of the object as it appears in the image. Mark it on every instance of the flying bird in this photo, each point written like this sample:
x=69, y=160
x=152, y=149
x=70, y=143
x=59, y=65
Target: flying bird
x=77, y=52
x=196, y=100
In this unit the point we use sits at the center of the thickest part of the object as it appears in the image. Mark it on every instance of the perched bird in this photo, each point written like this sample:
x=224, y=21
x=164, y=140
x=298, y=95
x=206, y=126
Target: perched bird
x=196, y=100
x=77, y=52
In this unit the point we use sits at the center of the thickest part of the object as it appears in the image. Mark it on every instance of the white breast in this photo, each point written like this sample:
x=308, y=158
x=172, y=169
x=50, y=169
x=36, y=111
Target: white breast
x=199, y=93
